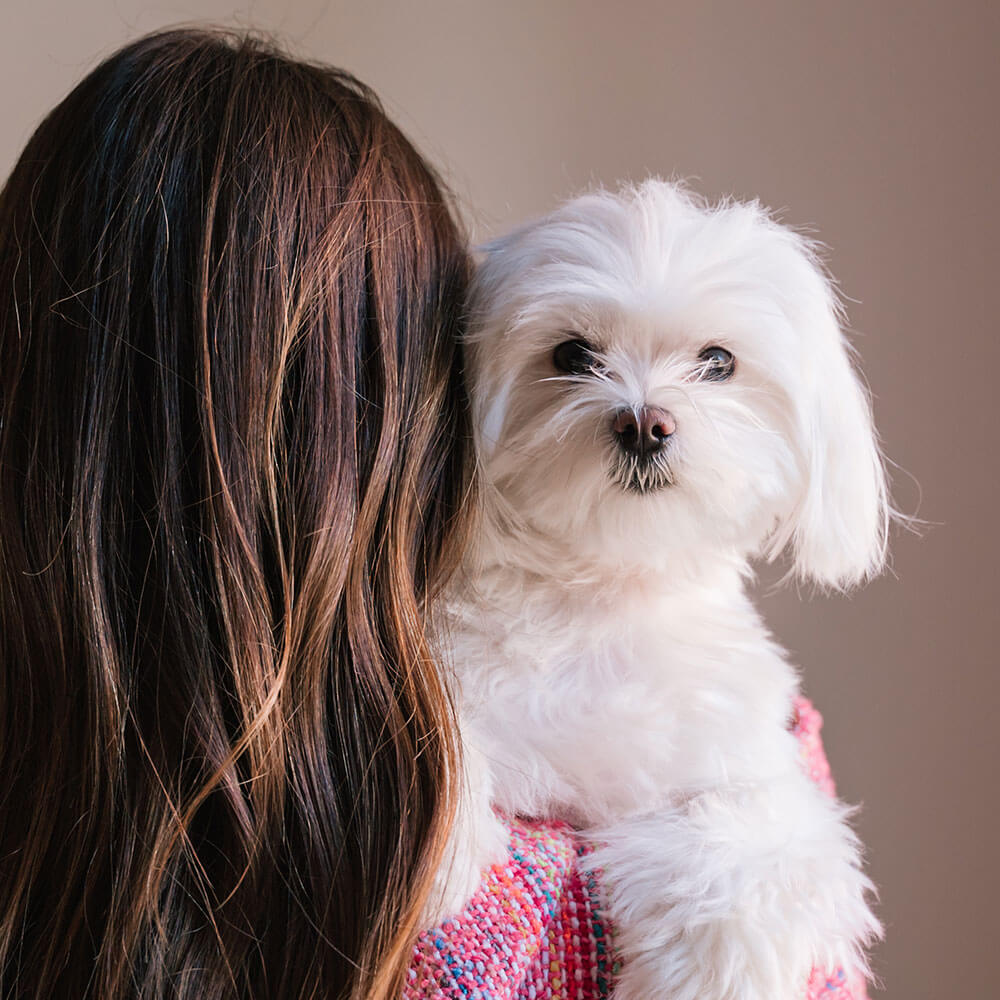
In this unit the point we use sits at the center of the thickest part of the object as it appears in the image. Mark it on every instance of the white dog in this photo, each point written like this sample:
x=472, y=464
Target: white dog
x=662, y=393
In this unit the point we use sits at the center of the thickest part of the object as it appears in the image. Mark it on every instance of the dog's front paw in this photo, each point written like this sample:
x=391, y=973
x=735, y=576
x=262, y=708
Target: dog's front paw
x=718, y=901
x=727, y=959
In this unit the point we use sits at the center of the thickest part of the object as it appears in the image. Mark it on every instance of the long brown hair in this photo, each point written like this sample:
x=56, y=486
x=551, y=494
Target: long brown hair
x=234, y=453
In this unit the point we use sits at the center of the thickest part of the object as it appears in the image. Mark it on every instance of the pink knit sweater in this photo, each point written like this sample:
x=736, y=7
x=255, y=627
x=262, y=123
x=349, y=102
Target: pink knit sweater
x=535, y=931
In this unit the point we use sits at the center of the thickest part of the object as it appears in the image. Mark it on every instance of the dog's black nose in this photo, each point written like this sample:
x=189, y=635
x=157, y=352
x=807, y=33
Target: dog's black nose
x=643, y=432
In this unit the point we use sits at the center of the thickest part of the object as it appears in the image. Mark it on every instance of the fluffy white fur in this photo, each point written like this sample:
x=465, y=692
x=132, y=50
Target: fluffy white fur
x=609, y=667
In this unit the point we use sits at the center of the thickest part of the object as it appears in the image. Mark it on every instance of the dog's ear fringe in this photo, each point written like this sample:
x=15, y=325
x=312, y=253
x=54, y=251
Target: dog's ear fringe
x=781, y=545
x=838, y=534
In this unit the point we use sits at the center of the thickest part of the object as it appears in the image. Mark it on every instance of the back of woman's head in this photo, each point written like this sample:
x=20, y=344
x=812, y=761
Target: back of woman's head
x=233, y=455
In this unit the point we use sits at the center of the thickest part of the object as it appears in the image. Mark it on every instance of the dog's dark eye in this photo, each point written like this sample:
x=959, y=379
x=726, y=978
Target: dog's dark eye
x=575, y=357
x=717, y=364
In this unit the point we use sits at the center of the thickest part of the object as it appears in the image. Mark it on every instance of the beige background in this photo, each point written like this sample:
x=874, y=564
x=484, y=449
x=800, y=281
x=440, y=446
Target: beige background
x=873, y=121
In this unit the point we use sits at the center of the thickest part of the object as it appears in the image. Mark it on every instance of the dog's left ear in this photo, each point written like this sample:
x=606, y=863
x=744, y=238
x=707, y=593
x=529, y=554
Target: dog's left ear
x=838, y=528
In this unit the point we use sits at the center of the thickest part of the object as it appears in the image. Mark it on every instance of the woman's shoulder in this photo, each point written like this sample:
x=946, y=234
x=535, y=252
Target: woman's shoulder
x=534, y=928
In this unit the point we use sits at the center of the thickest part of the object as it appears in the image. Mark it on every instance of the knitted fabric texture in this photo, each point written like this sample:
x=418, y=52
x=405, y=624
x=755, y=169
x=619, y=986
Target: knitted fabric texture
x=535, y=929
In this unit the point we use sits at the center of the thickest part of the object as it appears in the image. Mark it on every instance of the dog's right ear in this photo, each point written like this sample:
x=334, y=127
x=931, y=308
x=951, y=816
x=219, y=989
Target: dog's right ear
x=489, y=414
x=483, y=324
x=494, y=303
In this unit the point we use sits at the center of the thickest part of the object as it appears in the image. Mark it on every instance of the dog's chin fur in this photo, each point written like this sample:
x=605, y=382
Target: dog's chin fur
x=609, y=667
x=640, y=477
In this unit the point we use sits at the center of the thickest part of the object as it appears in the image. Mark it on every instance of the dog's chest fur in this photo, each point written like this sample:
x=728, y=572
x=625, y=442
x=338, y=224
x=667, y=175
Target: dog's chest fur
x=596, y=701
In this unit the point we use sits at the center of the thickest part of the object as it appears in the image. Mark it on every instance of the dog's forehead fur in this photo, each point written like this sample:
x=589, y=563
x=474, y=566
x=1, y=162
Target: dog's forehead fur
x=649, y=272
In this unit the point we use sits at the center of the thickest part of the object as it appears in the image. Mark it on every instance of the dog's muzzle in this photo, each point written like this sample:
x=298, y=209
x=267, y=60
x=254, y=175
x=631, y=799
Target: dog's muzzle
x=642, y=437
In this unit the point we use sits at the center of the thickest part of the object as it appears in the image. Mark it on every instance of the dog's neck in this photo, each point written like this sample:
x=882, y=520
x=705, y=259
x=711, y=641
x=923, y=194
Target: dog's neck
x=540, y=561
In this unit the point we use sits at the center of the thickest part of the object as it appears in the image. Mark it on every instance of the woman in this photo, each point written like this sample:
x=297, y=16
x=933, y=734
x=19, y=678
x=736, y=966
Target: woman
x=233, y=468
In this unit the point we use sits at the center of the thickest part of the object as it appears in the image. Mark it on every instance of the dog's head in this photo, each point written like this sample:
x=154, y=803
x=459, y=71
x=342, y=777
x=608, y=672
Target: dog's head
x=656, y=378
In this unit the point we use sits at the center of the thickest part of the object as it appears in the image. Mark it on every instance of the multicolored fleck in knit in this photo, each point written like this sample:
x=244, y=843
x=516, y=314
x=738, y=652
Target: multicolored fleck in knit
x=535, y=931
